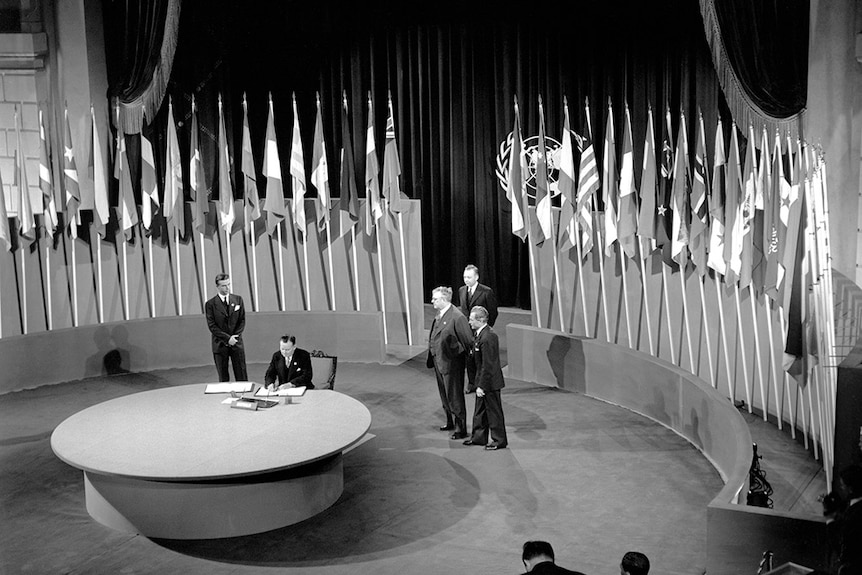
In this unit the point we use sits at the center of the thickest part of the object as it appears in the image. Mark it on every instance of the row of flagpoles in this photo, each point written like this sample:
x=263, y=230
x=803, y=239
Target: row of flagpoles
x=758, y=221
x=382, y=197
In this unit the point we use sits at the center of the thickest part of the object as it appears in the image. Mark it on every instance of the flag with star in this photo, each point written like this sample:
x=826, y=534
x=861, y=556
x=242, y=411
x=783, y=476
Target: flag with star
x=70, y=179
x=588, y=185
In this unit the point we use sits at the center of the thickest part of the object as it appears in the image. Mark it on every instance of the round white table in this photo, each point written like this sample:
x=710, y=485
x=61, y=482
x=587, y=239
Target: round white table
x=176, y=463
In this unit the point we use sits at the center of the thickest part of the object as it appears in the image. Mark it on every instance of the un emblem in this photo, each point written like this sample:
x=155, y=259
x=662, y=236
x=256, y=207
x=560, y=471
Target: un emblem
x=531, y=150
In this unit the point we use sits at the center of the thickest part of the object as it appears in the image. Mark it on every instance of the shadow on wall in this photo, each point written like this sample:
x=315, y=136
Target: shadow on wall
x=114, y=353
x=566, y=358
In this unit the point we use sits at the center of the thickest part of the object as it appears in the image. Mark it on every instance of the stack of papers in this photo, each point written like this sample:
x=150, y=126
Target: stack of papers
x=289, y=392
x=230, y=386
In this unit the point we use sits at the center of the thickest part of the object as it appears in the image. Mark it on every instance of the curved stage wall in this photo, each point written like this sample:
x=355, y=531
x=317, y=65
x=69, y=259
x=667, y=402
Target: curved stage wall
x=172, y=342
x=737, y=535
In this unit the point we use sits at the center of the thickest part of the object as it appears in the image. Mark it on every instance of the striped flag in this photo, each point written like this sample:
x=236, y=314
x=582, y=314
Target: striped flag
x=297, y=174
x=226, y=214
x=320, y=172
x=173, y=208
x=149, y=188
x=197, y=181
x=70, y=179
x=391, y=165
x=373, y=204
x=101, y=208
x=543, y=190
x=251, y=199
x=46, y=182
x=649, y=189
x=699, y=206
x=611, y=189
x=628, y=214
x=126, y=201
x=716, y=259
x=566, y=184
x=588, y=184
x=274, y=204
x=349, y=194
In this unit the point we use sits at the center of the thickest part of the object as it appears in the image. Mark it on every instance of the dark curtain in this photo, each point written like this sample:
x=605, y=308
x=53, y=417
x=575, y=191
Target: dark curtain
x=767, y=45
x=453, y=73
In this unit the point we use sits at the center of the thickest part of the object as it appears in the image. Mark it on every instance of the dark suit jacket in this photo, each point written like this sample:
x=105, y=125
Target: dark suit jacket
x=450, y=338
x=551, y=568
x=298, y=373
x=224, y=323
x=483, y=296
x=486, y=356
x=850, y=554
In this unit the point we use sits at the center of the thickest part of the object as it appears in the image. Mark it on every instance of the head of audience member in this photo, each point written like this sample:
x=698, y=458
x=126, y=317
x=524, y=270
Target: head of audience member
x=536, y=552
x=478, y=317
x=851, y=480
x=471, y=276
x=222, y=282
x=441, y=297
x=634, y=563
x=287, y=344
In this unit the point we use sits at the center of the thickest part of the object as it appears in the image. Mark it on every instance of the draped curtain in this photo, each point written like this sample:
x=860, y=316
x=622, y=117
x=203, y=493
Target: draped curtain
x=453, y=72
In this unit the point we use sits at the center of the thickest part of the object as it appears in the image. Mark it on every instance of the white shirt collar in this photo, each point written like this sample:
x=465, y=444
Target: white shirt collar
x=445, y=309
x=478, y=331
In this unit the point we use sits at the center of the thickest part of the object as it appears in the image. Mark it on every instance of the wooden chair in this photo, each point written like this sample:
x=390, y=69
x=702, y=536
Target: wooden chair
x=324, y=367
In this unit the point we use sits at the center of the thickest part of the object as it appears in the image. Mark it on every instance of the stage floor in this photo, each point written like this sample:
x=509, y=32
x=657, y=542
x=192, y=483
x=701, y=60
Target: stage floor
x=593, y=479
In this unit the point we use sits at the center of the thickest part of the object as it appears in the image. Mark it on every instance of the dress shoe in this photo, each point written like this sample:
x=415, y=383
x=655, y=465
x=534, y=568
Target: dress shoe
x=494, y=447
x=458, y=436
x=447, y=427
x=471, y=442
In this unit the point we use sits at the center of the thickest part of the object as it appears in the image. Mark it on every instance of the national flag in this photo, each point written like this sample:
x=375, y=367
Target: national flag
x=226, y=213
x=796, y=348
x=588, y=185
x=758, y=234
x=699, y=207
x=543, y=188
x=746, y=210
x=274, y=204
x=628, y=214
x=5, y=236
x=71, y=179
x=680, y=197
x=46, y=182
x=149, y=187
x=173, y=208
x=197, y=181
x=716, y=205
x=791, y=215
x=101, y=208
x=349, y=194
x=320, y=172
x=126, y=200
x=772, y=238
x=251, y=199
x=732, y=212
x=391, y=165
x=568, y=231
x=373, y=205
x=516, y=184
x=647, y=213
x=611, y=195
x=26, y=220
x=297, y=174
x=664, y=213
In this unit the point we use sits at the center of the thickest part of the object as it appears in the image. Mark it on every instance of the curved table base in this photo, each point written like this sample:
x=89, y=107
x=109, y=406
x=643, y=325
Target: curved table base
x=214, y=509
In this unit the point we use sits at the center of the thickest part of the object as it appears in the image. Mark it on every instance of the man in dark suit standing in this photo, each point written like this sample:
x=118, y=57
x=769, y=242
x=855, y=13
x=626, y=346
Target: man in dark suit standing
x=471, y=294
x=448, y=344
x=290, y=365
x=488, y=415
x=226, y=320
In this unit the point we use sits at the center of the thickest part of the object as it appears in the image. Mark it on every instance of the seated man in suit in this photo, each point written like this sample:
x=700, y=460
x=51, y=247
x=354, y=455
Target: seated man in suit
x=290, y=365
x=471, y=294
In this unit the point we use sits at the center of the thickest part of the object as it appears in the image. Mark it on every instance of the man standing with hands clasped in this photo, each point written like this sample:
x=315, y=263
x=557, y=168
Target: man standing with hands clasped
x=226, y=319
x=471, y=294
x=448, y=345
x=488, y=415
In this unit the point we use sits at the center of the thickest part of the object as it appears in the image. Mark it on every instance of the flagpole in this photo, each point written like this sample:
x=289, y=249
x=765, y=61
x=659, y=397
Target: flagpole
x=227, y=247
x=382, y=290
x=723, y=332
x=557, y=281
x=152, y=274
x=331, y=270
x=706, y=331
x=125, y=278
x=281, y=263
x=667, y=311
x=535, y=287
x=203, y=270
x=769, y=318
x=24, y=290
x=758, y=360
x=305, y=261
x=255, y=295
x=404, y=278
x=581, y=278
x=179, y=277
x=601, y=257
x=626, y=297
x=49, y=299
x=74, y=283
x=686, y=317
x=742, y=348
x=646, y=299
x=355, y=270
x=99, y=274
x=790, y=408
